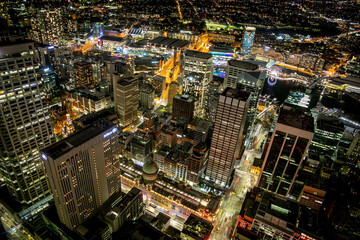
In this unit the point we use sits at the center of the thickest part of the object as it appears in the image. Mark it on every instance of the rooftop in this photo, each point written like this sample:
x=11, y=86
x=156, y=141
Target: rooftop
x=246, y=66
x=185, y=98
x=78, y=138
x=169, y=42
x=92, y=94
x=236, y=93
x=330, y=123
x=191, y=53
x=197, y=228
x=296, y=119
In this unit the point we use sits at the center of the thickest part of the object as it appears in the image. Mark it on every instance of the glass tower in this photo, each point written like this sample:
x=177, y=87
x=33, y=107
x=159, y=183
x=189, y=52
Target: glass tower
x=25, y=124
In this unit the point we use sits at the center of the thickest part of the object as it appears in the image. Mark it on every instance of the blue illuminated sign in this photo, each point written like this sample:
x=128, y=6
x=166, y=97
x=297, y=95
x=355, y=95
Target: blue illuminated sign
x=114, y=130
x=43, y=156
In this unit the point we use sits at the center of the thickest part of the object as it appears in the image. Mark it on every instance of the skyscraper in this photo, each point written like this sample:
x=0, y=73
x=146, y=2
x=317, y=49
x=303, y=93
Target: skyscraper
x=247, y=41
x=46, y=27
x=183, y=106
x=234, y=69
x=227, y=136
x=83, y=172
x=201, y=63
x=25, y=125
x=288, y=145
x=84, y=75
x=126, y=99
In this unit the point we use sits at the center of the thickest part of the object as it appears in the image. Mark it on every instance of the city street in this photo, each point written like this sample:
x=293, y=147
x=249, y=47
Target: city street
x=231, y=205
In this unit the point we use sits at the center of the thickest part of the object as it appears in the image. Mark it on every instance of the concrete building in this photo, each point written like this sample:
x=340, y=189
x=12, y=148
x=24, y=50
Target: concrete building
x=234, y=69
x=25, y=125
x=328, y=132
x=197, y=163
x=126, y=99
x=168, y=136
x=202, y=131
x=83, y=171
x=141, y=145
x=147, y=95
x=212, y=99
x=88, y=100
x=201, y=63
x=46, y=27
x=354, y=150
x=84, y=75
x=247, y=40
x=288, y=145
x=129, y=208
x=183, y=106
x=174, y=89
x=275, y=218
x=196, y=228
x=227, y=137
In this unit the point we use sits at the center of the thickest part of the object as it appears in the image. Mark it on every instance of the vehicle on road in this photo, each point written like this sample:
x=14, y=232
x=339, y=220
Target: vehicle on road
x=217, y=230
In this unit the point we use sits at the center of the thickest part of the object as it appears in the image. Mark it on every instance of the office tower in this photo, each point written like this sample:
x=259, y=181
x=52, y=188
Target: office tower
x=46, y=27
x=126, y=99
x=247, y=41
x=129, y=208
x=227, y=136
x=202, y=131
x=197, y=162
x=328, y=132
x=252, y=82
x=141, y=146
x=212, y=99
x=183, y=106
x=288, y=145
x=83, y=171
x=234, y=69
x=147, y=95
x=193, y=84
x=84, y=75
x=201, y=63
x=25, y=125
x=174, y=89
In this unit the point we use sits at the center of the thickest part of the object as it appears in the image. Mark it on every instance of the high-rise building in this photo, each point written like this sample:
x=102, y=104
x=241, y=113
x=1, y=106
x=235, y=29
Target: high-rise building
x=84, y=75
x=252, y=82
x=248, y=40
x=212, y=99
x=183, y=106
x=83, y=171
x=197, y=163
x=174, y=89
x=354, y=150
x=287, y=148
x=141, y=146
x=227, y=137
x=126, y=99
x=234, y=69
x=147, y=95
x=201, y=63
x=46, y=27
x=25, y=125
x=328, y=132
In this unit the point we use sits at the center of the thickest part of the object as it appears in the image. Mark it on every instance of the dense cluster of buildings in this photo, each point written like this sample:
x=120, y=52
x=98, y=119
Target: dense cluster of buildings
x=119, y=122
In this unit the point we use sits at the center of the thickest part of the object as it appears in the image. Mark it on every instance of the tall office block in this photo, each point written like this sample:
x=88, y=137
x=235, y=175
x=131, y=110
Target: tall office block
x=234, y=69
x=354, y=150
x=173, y=91
x=83, y=171
x=252, y=82
x=248, y=40
x=328, y=132
x=46, y=27
x=126, y=99
x=183, y=106
x=147, y=95
x=84, y=75
x=288, y=145
x=212, y=99
x=227, y=136
x=25, y=125
x=201, y=63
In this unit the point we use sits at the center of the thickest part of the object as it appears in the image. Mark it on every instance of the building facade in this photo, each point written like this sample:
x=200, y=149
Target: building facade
x=83, y=171
x=25, y=125
x=227, y=136
x=126, y=99
x=288, y=145
x=84, y=75
x=183, y=106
